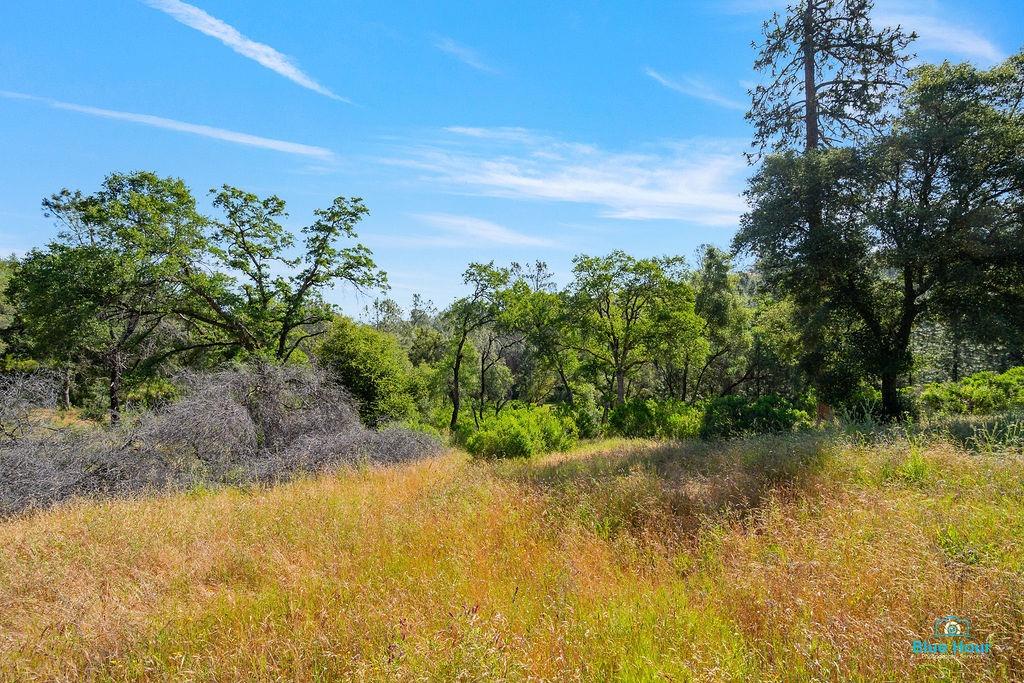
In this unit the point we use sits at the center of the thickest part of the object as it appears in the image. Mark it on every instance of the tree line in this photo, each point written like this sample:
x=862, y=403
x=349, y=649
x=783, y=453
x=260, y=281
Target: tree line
x=883, y=247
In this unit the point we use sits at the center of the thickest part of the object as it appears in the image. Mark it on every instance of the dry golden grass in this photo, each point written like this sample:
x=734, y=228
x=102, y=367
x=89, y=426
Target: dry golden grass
x=779, y=559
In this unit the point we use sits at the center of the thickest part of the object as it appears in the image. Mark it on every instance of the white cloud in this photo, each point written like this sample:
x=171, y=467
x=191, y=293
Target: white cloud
x=695, y=182
x=461, y=232
x=938, y=31
x=944, y=37
x=263, y=54
x=695, y=88
x=480, y=231
x=321, y=153
x=466, y=55
x=501, y=133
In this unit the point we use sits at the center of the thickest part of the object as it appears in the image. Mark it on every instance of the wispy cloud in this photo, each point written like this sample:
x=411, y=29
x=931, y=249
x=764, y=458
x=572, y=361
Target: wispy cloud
x=480, y=230
x=464, y=54
x=321, y=153
x=699, y=183
x=695, y=88
x=944, y=37
x=501, y=133
x=938, y=31
x=263, y=54
x=461, y=232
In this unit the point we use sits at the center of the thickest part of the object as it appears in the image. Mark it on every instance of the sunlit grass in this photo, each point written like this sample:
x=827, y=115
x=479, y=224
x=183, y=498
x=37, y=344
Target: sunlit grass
x=779, y=559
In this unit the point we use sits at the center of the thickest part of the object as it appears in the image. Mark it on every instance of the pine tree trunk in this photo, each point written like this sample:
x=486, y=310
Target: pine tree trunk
x=810, y=91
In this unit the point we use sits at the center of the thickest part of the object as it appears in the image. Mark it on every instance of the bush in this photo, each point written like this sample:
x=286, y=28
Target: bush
x=374, y=368
x=152, y=393
x=983, y=393
x=728, y=416
x=253, y=424
x=634, y=419
x=521, y=432
x=648, y=419
x=585, y=414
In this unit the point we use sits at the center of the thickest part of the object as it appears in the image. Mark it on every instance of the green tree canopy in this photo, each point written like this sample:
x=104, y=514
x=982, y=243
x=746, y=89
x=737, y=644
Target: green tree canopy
x=373, y=366
x=262, y=299
x=103, y=291
x=929, y=209
x=628, y=310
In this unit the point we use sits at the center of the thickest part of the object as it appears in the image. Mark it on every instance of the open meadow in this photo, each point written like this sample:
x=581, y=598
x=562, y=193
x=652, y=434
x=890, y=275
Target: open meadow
x=531, y=341
x=776, y=558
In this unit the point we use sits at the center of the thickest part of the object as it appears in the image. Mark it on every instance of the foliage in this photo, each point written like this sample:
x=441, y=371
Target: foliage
x=585, y=415
x=625, y=311
x=647, y=418
x=248, y=303
x=138, y=280
x=983, y=393
x=373, y=367
x=103, y=292
x=521, y=432
x=468, y=315
x=831, y=74
x=152, y=392
x=920, y=211
x=7, y=268
x=729, y=416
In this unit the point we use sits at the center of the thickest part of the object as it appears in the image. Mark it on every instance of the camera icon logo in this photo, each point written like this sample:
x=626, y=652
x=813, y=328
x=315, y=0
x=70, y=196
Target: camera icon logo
x=951, y=626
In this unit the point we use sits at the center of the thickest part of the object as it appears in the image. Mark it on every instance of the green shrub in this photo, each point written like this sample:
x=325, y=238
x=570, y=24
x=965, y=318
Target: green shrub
x=635, y=419
x=521, y=432
x=585, y=415
x=648, y=419
x=373, y=366
x=684, y=422
x=983, y=393
x=728, y=416
x=153, y=392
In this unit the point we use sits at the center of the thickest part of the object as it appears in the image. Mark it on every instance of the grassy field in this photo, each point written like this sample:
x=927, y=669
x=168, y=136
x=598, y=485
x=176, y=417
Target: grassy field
x=776, y=559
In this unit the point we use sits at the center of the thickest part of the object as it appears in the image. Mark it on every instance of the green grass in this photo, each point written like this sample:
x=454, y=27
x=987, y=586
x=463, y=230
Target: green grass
x=790, y=558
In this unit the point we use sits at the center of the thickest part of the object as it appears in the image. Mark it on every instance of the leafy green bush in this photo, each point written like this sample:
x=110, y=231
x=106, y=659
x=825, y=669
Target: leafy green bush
x=586, y=416
x=153, y=392
x=983, y=393
x=728, y=416
x=373, y=366
x=521, y=432
x=634, y=419
x=638, y=418
x=682, y=423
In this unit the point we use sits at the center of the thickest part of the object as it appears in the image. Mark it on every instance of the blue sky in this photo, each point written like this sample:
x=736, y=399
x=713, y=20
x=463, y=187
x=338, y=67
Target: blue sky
x=474, y=131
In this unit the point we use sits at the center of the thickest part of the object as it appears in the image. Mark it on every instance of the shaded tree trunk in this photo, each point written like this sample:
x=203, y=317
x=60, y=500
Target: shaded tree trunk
x=891, y=408
x=455, y=393
x=66, y=397
x=565, y=384
x=115, y=371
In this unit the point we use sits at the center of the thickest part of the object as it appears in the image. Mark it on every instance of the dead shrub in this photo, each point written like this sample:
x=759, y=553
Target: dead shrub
x=245, y=425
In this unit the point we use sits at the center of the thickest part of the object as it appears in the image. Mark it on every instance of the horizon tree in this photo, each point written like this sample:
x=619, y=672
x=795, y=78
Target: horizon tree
x=467, y=315
x=259, y=298
x=911, y=217
x=102, y=291
x=627, y=310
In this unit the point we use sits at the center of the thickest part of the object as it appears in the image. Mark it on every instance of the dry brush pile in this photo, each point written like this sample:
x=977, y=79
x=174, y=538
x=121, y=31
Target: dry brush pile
x=248, y=425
